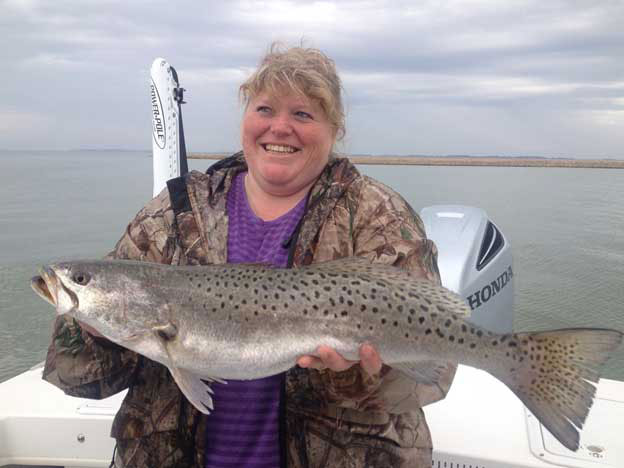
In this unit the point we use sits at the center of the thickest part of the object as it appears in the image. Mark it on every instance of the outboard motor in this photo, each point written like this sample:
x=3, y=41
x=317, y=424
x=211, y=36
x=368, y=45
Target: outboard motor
x=474, y=259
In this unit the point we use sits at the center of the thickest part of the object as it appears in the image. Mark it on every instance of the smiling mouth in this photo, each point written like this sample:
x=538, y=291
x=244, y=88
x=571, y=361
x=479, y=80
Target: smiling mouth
x=282, y=149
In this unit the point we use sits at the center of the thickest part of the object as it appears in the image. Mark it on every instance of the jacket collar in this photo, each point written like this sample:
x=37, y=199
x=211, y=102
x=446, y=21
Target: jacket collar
x=207, y=194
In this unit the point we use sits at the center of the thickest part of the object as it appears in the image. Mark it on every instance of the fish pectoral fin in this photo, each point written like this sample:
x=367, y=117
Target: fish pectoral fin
x=166, y=332
x=424, y=372
x=195, y=388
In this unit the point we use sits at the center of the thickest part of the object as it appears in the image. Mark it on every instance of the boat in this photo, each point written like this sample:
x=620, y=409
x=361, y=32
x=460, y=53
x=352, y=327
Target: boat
x=480, y=423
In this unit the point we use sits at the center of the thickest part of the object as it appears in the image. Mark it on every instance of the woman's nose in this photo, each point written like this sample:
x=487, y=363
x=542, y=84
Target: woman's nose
x=281, y=125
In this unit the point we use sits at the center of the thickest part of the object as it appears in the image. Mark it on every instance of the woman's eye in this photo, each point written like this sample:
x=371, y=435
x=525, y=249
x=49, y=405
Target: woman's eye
x=303, y=115
x=263, y=109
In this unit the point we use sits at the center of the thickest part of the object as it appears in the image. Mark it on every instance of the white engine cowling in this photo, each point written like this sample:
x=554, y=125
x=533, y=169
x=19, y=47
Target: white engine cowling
x=475, y=261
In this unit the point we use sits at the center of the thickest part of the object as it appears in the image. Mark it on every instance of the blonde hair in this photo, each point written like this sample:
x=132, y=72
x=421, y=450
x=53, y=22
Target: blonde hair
x=305, y=71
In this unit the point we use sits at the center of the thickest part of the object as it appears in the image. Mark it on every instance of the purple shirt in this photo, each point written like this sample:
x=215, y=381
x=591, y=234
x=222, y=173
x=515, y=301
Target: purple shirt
x=243, y=430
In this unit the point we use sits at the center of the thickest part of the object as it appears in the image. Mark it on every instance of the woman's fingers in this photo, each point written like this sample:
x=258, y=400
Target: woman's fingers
x=329, y=358
x=370, y=360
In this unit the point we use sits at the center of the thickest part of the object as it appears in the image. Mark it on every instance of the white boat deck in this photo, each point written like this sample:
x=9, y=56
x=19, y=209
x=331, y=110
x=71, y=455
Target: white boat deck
x=480, y=424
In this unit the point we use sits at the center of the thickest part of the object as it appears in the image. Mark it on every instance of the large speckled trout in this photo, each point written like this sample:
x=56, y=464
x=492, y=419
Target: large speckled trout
x=213, y=323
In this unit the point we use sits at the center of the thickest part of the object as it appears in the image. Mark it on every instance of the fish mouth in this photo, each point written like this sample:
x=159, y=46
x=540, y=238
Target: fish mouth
x=45, y=285
x=48, y=286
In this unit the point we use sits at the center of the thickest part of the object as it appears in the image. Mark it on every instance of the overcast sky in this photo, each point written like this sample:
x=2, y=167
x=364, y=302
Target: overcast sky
x=508, y=77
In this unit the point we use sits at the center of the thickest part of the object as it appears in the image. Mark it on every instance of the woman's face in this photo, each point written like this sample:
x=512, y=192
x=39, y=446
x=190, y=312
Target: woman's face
x=286, y=140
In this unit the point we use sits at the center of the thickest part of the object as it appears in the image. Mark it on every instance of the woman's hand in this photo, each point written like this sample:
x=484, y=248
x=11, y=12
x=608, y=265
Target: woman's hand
x=329, y=358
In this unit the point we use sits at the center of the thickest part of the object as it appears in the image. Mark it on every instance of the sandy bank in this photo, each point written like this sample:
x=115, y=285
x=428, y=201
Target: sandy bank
x=465, y=161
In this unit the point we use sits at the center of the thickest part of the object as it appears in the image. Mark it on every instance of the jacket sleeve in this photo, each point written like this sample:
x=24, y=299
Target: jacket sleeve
x=83, y=365
x=386, y=230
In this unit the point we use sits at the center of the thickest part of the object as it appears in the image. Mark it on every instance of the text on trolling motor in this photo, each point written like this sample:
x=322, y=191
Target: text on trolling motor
x=158, y=129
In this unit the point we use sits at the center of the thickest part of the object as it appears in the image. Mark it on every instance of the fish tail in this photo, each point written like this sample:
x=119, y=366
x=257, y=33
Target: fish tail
x=551, y=373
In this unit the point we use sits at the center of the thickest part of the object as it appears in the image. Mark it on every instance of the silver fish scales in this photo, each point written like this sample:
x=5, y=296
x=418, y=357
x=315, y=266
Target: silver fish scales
x=219, y=322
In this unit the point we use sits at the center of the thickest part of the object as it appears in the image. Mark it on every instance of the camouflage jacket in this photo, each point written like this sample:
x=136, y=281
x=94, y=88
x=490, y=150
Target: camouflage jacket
x=345, y=419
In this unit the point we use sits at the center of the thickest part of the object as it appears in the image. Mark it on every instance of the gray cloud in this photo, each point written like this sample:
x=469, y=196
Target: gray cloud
x=437, y=77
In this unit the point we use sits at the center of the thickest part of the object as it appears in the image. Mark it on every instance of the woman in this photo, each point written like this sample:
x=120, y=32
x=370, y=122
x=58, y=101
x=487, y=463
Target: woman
x=286, y=200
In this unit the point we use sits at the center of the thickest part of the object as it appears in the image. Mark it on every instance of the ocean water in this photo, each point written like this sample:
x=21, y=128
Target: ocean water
x=566, y=228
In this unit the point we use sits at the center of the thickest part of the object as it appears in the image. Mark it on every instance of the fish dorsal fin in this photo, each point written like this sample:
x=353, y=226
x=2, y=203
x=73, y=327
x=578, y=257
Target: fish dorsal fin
x=195, y=388
x=362, y=266
x=423, y=372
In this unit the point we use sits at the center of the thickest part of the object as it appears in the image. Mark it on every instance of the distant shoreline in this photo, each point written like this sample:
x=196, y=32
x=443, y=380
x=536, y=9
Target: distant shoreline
x=465, y=161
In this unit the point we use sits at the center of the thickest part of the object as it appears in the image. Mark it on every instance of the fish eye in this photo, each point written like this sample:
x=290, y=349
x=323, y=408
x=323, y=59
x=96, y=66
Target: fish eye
x=81, y=278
